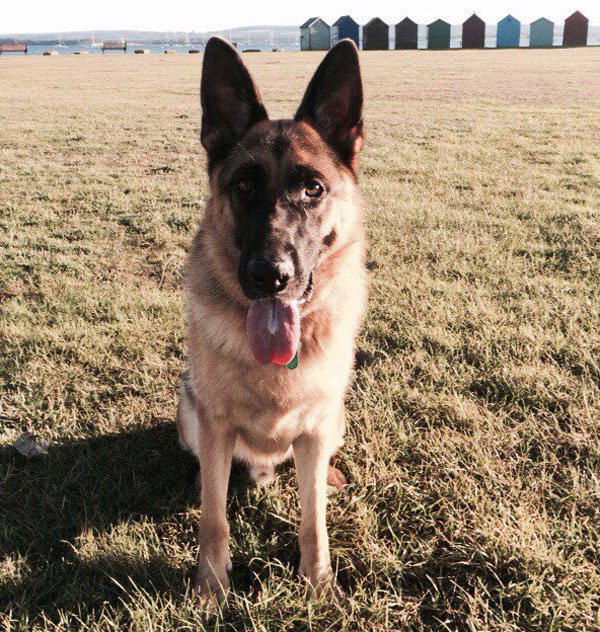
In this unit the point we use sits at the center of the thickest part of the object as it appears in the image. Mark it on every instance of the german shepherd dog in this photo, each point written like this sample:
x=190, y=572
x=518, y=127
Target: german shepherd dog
x=275, y=290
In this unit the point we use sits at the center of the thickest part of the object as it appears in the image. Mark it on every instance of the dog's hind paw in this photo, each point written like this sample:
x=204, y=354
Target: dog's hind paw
x=335, y=478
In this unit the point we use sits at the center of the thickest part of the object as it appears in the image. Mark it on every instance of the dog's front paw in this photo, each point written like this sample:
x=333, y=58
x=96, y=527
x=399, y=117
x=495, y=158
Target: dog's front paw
x=211, y=585
x=322, y=582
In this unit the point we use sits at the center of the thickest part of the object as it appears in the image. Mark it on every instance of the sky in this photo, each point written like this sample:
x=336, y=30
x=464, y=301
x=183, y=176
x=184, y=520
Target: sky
x=38, y=16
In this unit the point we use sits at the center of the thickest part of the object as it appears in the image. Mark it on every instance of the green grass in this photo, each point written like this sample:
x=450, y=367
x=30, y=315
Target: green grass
x=473, y=450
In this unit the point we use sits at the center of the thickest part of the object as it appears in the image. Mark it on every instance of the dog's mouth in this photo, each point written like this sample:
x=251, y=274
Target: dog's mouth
x=308, y=291
x=273, y=327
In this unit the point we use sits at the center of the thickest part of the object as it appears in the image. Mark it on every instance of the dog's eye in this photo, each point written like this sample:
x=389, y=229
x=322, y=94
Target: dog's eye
x=313, y=189
x=244, y=185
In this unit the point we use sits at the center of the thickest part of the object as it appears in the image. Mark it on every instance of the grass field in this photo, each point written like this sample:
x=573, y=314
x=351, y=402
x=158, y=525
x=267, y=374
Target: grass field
x=473, y=451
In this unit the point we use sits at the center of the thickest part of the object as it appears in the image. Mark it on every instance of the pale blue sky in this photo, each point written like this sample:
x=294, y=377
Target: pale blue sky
x=184, y=15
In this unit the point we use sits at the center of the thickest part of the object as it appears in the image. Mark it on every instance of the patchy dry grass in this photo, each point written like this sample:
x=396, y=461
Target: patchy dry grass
x=473, y=450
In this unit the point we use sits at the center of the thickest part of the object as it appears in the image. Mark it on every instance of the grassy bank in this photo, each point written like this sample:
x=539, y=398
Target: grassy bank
x=473, y=448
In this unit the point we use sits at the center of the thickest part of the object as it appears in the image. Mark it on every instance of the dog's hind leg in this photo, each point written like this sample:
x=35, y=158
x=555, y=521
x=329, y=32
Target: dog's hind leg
x=188, y=426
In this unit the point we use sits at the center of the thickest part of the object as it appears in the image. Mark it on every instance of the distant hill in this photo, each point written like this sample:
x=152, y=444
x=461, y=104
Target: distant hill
x=259, y=34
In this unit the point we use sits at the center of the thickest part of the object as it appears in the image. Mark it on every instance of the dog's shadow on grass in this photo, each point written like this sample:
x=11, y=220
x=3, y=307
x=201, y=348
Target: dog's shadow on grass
x=61, y=548
x=49, y=504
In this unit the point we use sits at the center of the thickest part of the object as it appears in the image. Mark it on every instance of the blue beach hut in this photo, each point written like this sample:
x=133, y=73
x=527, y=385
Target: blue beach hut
x=344, y=27
x=509, y=32
x=541, y=33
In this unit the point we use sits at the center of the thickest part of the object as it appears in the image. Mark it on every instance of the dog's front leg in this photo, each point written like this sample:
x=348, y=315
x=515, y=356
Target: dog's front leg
x=311, y=455
x=215, y=454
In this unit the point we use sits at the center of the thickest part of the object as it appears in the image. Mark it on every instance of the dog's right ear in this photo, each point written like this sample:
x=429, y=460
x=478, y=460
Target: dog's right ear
x=230, y=101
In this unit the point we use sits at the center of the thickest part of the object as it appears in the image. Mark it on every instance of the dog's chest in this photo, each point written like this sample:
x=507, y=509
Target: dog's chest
x=267, y=406
x=269, y=433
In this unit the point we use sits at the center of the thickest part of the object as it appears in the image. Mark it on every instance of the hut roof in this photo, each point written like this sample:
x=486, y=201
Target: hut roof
x=407, y=21
x=374, y=21
x=439, y=22
x=344, y=18
x=474, y=19
x=577, y=16
x=509, y=18
x=309, y=22
x=542, y=21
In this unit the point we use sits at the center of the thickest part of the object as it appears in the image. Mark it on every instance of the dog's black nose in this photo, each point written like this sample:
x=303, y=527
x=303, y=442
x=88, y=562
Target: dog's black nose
x=266, y=276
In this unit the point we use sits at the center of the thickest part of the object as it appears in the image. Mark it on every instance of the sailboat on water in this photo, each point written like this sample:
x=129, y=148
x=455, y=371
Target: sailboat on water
x=93, y=41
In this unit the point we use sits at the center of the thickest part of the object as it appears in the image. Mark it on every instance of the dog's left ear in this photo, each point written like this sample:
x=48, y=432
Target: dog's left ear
x=333, y=101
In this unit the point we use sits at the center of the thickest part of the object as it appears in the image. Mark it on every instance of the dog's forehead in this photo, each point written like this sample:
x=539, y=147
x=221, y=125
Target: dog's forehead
x=285, y=141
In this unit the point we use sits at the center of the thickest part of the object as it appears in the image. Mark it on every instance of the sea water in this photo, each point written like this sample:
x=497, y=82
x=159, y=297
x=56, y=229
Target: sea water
x=455, y=42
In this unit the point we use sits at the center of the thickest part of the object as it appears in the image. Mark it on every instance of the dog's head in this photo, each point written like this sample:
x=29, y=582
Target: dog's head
x=281, y=184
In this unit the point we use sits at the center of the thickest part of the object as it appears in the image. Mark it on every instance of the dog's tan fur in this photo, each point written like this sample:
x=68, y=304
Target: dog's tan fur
x=232, y=406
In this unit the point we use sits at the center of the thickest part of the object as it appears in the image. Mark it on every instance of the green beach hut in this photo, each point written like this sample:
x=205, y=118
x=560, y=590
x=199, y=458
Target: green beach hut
x=438, y=35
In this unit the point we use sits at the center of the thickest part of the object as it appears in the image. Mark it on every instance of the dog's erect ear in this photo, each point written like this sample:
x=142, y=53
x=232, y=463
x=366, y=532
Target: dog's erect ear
x=333, y=101
x=230, y=101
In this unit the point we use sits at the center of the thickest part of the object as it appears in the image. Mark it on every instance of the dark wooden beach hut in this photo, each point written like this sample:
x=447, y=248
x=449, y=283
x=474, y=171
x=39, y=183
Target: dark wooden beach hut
x=438, y=35
x=541, y=33
x=344, y=27
x=315, y=34
x=576, y=30
x=473, y=32
x=376, y=35
x=407, y=34
x=509, y=32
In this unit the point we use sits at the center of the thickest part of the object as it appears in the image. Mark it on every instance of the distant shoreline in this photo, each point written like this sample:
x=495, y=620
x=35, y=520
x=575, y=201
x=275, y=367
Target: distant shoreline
x=40, y=49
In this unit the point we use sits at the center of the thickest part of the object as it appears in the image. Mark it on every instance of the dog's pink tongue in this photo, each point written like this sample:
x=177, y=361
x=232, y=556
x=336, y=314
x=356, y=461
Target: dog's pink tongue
x=273, y=330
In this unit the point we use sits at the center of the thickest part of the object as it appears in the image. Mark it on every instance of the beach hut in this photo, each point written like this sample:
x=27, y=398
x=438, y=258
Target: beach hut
x=509, y=32
x=315, y=34
x=473, y=32
x=376, y=35
x=344, y=27
x=407, y=34
x=541, y=32
x=576, y=30
x=438, y=35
